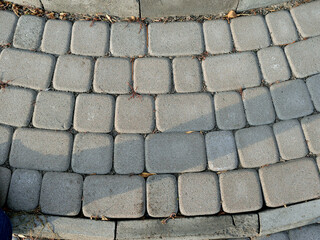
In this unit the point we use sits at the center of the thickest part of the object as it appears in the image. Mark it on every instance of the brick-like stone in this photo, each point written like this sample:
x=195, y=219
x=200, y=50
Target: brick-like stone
x=114, y=196
x=5, y=176
x=8, y=21
x=175, y=152
x=30, y=3
x=313, y=84
x=5, y=142
x=277, y=181
x=184, y=112
x=251, y=4
x=92, y=153
x=276, y=236
x=311, y=232
x=231, y=72
x=175, y=39
x=61, y=193
x=94, y=113
x=310, y=126
x=41, y=150
x=291, y=99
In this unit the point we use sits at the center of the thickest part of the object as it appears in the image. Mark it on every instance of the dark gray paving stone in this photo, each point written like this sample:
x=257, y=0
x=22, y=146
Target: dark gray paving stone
x=250, y=4
x=5, y=176
x=276, y=236
x=313, y=84
x=8, y=21
x=310, y=126
x=5, y=142
x=311, y=232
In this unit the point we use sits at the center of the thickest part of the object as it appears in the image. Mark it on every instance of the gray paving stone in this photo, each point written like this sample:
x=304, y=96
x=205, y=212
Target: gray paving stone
x=229, y=110
x=311, y=232
x=16, y=106
x=114, y=196
x=199, y=194
x=175, y=152
x=318, y=161
x=5, y=176
x=5, y=142
x=175, y=39
x=256, y=146
x=128, y=154
x=73, y=73
x=231, y=72
x=8, y=21
x=250, y=4
x=112, y=75
x=56, y=37
x=162, y=195
x=40, y=150
x=90, y=40
x=313, y=84
x=290, y=139
x=24, y=190
x=276, y=236
x=152, y=75
x=92, y=153
x=53, y=110
x=250, y=33
x=277, y=181
x=240, y=191
x=61, y=193
x=310, y=126
x=94, y=113
x=221, y=151
x=184, y=112
x=32, y=3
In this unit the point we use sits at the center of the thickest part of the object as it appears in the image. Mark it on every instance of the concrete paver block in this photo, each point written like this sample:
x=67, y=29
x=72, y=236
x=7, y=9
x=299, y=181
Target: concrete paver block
x=251, y=4
x=32, y=3
x=311, y=232
x=276, y=236
x=313, y=84
x=5, y=176
x=8, y=21
x=310, y=126
x=5, y=142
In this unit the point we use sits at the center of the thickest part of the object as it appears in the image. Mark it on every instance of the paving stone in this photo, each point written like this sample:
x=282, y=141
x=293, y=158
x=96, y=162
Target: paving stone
x=53, y=110
x=251, y=4
x=175, y=152
x=240, y=191
x=310, y=126
x=162, y=195
x=32, y=3
x=112, y=75
x=16, y=106
x=40, y=150
x=231, y=72
x=256, y=146
x=5, y=142
x=229, y=110
x=281, y=27
x=199, y=194
x=274, y=65
x=26, y=69
x=276, y=236
x=128, y=154
x=311, y=232
x=187, y=74
x=250, y=33
x=24, y=190
x=290, y=139
x=291, y=99
x=313, y=84
x=152, y=75
x=5, y=176
x=56, y=37
x=184, y=112
x=8, y=21
x=73, y=73
x=61, y=193
x=277, y=181
x=221, y=151
x=114, y=196
x=94, y=113
x=90, y=40
x=175, y=39
x=318, y=162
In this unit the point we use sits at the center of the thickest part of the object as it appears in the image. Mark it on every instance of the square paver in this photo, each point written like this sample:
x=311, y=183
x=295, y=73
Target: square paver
x=313, y=84
x=310, y=126
x=5, y=142
x=8, y=21
x=5, y=176
x=311, y=232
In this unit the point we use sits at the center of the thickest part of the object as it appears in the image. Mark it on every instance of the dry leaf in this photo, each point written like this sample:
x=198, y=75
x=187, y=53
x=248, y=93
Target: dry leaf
x=189, y=132
x=232, y=14
x=145, y=174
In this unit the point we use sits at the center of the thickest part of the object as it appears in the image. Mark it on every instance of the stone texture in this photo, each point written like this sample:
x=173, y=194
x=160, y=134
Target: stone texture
x=5, y=142
x=250, y=4
x=5, y=176
x=311, y=232
x=276, y=236
x=32, y=3
x=310, y=126
x=313, y=84
x=8, y=21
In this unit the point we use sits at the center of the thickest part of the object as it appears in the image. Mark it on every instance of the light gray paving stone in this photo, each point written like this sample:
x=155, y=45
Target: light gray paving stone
x=90, y=39
x=73, y=73
x=5, y=142
x=310, y=126
x=26, y=69
x=318, y=161
x=56, y=37
x=231, y=72
x=16, y=106
x=290, y=139
x=92, y=153
x=199, y=193
x=112, y=75
x=250, y=33
x=250, y=4
x=24, y=190
x=311, y=232
x=61, y=193
x=256, y=146
x=184, y=112
x=291, y=99
x=277, y=181
x=221, y=151
x=32, y=3
x=114, y=196
x=162, y=195
x=8, y=21
x=152, y=75
x=240, y=191
x=5, y=176
x=128, y=154
x=276, y=236
x=175, y=39
x=175, y=152
x=40, y=150
x=229, y=110
x=53, y=110
x=313, y=84
x=134, y=115
x=187, y=74
x=94, y=113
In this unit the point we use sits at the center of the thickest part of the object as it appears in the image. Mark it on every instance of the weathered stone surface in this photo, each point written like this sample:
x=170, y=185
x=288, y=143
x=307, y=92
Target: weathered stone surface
x=5, y=176
x=276, y=236
x=313, y=84
x=8, y=21
x=5, y=142
x=250, y=4
x=311, y=232
x=32, y=3
x=310, y=126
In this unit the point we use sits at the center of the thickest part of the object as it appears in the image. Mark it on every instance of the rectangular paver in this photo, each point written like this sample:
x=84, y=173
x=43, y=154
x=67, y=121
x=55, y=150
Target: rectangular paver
x=313, y=84
x=310, y=126
x=311, y=232
x=5, y=142
x=8, y=21
x=5, y=176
